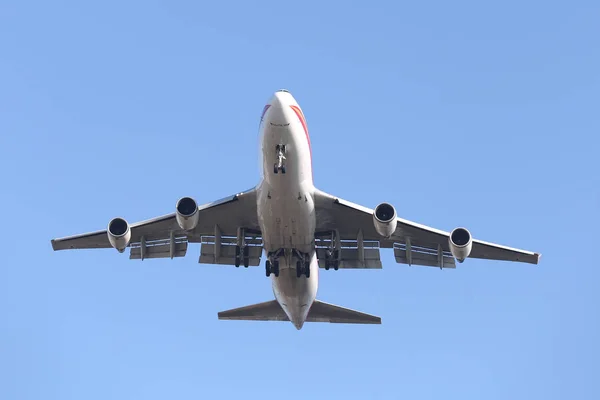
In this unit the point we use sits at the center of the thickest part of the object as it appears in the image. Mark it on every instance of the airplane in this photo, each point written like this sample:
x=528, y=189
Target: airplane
x=297, y=227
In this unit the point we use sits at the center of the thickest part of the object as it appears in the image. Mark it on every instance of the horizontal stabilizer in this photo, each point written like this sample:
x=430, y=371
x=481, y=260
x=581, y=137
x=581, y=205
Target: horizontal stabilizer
x=319, y=312
x=267, y=311
x=325, y=312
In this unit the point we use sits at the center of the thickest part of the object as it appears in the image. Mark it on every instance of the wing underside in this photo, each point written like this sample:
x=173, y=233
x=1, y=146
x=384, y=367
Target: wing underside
x=349, y=227
x=222, y=225
x=342, y=225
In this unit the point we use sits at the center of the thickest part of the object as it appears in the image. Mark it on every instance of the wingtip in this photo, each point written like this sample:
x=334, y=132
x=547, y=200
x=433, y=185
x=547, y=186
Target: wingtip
x=53, y=244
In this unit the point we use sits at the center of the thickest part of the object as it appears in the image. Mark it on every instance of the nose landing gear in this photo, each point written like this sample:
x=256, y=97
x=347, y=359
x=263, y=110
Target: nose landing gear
x=280, y=155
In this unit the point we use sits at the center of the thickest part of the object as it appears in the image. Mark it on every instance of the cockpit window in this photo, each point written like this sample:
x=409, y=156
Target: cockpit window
x=283, y=90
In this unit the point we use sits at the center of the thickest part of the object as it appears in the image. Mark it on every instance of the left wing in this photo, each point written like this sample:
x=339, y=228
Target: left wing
x=219, y=223
x=413, y=243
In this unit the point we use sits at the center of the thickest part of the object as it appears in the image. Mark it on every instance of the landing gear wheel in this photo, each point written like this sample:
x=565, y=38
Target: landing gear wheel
x=307, y=269
x=237, y=256
x=246, y=256
x=268, y=268
x=283, y=169
x=276, y=269
x=298, y=269
x=275, y=169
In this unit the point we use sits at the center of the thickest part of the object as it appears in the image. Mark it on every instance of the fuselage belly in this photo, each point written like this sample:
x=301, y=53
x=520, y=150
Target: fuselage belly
x=285, y=204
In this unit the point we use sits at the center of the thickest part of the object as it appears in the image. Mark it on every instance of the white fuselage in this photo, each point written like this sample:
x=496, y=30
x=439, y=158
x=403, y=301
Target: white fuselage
x=285, y=205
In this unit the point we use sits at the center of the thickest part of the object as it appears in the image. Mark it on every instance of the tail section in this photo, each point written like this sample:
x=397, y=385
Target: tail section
x=319, y=312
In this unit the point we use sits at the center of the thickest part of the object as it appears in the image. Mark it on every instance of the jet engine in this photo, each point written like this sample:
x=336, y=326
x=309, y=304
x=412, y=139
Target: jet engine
x=187, y=213
x=460, y=242
x=384, y=219
x=119, y=234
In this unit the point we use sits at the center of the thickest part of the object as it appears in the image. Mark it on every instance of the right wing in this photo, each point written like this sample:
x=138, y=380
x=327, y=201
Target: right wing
x=413, y=243
x=161, y=237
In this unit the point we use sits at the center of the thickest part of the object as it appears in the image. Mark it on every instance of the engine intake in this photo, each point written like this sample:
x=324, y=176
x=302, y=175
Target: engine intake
x=119, y=234
x=384, y=219
x=187, y=213
x=460, y=242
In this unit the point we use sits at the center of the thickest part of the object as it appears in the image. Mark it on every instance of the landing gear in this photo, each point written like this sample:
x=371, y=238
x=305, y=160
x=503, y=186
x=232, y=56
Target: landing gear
x=272, y=263
x=272, y=268
x=246, y=256
x=332, y=253
x=242, y=251
x=239, y=257
x=303, y=265
x=332, y=259
x=280, y=157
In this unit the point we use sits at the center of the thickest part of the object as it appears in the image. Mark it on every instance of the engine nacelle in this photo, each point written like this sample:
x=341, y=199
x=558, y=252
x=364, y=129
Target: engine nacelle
x=460, y=242
x=384, y=219
x=187, y=213
x=119, y=234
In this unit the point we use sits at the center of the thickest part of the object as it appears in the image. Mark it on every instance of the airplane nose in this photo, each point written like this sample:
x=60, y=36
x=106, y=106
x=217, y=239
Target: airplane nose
x=277, y=102
x=281, y=99
x=280, y=112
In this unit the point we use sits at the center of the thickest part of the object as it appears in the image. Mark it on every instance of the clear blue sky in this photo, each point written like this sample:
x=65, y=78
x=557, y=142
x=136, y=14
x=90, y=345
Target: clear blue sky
x=458, y=113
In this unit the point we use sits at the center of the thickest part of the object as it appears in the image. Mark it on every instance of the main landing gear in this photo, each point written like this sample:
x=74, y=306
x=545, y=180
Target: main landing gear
x=272, y=264
x=303, y=265
x=280, y=154
x=242, y=253
x=272, y=268
x=332, y=259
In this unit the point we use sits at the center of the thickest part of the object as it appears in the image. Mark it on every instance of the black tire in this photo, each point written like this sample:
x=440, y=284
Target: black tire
x=268, y=268
x=283, y=169
x=298, y=269
x=307, y=272
x=275, y=169
x=237, y=256
x=246, y=253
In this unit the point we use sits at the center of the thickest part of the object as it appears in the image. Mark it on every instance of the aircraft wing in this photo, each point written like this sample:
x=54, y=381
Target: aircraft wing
x=413, y=243
x=162, y=236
